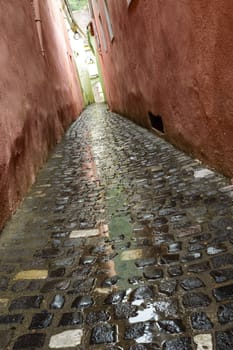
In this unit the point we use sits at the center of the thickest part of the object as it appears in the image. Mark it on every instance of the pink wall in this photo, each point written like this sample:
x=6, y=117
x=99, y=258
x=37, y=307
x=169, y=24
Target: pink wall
x=175, y=59
x=39, y=96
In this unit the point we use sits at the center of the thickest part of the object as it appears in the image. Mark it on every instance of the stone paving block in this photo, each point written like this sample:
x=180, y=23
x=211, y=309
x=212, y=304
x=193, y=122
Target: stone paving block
x=142, y=293
x=197, y=299
x=19, y=286
x=202, y=173
x=222, y=260
x=4, y=281
x=110, y=281
x=224, y=340
x=152, y=273
x=84, y=233
x=200, y=321
x=66, y=339
x=191, y=283
x=31, y=274
x=175, y=270
x=8, y=319
x=222, y=275
x=104, y=333
x=26, y=302
x=55, y=285
x=135, y=331
x=82, y=302
x=57, y=302
x=168, y=287
x=41, y=320
x=30, y=341
x=97, y=317
x=223, y=293
x=131, y=254
x=71, y=319
x=125, y=311
x=183, y=343
x=225, y=313
x=171, y=326
x=204, y=341
x=199, y=267
x=115, y=297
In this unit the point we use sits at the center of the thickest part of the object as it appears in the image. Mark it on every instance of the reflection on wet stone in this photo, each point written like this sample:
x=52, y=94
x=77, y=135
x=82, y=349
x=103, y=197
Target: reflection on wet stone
x=82, y=302
x=57, y=302
x=183, y=343
x=55, y=285
x=171, y=326
x=114, y=186
x=170, y=258
x=144, y=292
x=175, y=271
x=115, y=297
x=167, y=307
x=110, y=281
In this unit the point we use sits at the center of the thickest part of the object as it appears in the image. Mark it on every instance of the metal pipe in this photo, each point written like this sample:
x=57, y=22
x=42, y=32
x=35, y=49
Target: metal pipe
x=38, y=21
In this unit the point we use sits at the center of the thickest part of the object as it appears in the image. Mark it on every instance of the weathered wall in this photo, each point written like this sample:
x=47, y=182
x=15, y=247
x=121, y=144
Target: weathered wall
x=175, y=59
x=39, y=96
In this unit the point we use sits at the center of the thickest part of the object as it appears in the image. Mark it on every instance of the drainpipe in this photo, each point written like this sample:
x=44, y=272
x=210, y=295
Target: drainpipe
x=38, y=21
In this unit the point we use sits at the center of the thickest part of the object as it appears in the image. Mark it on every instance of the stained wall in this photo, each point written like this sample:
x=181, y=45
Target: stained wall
x=173, y=59
x=39, y=95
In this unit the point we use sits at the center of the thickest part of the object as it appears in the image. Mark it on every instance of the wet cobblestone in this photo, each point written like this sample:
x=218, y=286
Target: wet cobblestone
x=122, y=243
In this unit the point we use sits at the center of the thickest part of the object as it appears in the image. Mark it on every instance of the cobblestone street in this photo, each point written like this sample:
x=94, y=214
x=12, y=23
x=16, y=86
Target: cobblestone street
x=123, y=242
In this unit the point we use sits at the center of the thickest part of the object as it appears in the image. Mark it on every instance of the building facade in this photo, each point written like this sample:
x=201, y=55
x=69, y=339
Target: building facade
x=39, y=93
x=168, y=65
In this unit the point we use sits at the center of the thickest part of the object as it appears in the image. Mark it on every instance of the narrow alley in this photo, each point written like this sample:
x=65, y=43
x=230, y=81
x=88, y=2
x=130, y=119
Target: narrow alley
x=123, y=242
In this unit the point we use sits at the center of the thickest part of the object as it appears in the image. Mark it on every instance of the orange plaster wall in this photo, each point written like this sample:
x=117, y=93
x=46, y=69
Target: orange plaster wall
x=174, y=59
x=39, y=96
